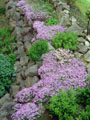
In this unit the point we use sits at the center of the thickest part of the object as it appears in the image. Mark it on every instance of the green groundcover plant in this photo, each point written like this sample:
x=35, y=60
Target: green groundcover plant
x=7, y=75
x=2, y=10
x=67, y=40
x=65, y=106
x=51, y=21
x=38, y=48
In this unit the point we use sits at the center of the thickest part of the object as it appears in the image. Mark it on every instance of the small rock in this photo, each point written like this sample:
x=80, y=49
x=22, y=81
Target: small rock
x=76, y=29
x=24, y=60
x=87, y=43
x=82, y=48
x=81, y=39
x=78, y=55
x=4, y=99
x=27, y=45
x=88, y=38
x=31, y=81
x=14, y=90
x=50, y=46
x=17, y=67
x=21, y=52
x=18, y=79
x=32, y=71
x=10, y=5
x=87, y=56
x=20, y=23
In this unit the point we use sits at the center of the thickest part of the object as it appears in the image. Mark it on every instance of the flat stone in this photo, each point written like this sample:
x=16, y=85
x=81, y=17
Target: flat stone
x=10, y=5
x=24, y=60
x=18, y=79
x=4, y=99
x=31, y=81
x=32, y=71
x=76, y=29
x=87, y=56
x=82, y=48
x=87, y=43
x=81, y=39
x=27, y=45
x=88, y=38
x=14, y=90
x=78, y=55
x=50, y=46
x=21, y=52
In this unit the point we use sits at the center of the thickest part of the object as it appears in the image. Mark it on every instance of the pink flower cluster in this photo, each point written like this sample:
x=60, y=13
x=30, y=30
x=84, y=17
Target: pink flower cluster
x=30, y=13
x=46, y=32
x=28, y=111
x=55, y=74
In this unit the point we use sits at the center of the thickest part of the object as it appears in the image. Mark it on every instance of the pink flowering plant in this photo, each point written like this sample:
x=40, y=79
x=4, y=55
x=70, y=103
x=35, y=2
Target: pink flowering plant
x=46, y=32
x=30, y=13
x=60, y=69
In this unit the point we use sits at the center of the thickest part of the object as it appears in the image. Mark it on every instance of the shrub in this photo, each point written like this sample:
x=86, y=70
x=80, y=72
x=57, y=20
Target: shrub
x=6, y=41
x=50, y=22
x=2, y=11
x=83, y=95
x=37, y=49
x=6, y=74
x=67, y=40
x=64, y=105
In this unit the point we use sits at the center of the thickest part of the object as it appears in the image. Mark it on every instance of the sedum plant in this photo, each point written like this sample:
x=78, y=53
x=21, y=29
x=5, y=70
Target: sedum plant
x=38, y=48
x=7, y=75
x=64, y=105
x=67, y=40
x=53, y=21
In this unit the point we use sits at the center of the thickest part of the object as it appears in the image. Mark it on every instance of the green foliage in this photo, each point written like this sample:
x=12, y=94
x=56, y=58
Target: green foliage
x=67, y=40
x=85, y=114
x=64, y=105
x=53, y=21
x=7, y=75
x=2, y=11
x=6, y=41
x=67, y=107
x=88, y=13
x=38, y=48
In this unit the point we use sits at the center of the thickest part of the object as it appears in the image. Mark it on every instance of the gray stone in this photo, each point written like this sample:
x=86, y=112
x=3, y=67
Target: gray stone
x=27, y=37
x=81, y=39
x=16, y=16
x=31, y=81
x=88, y=68
x=10, y=5
x=21, y=52
x=78, y=55
x=82, y=48
x=88, y=38
x=87, y=56
x=24, y=60
x=20, y=23
x=17, y=67
x=32, y=71
x=6, y=110
x=26, y=29
x=76, y=29
x=50, y=46
x=14, y=90
x=4, y=99
x=65, y=20
x=18, y=79
x=73, y=19
x=13, y=24
x=87, y=44
x=27, y=45
x=18, y=31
